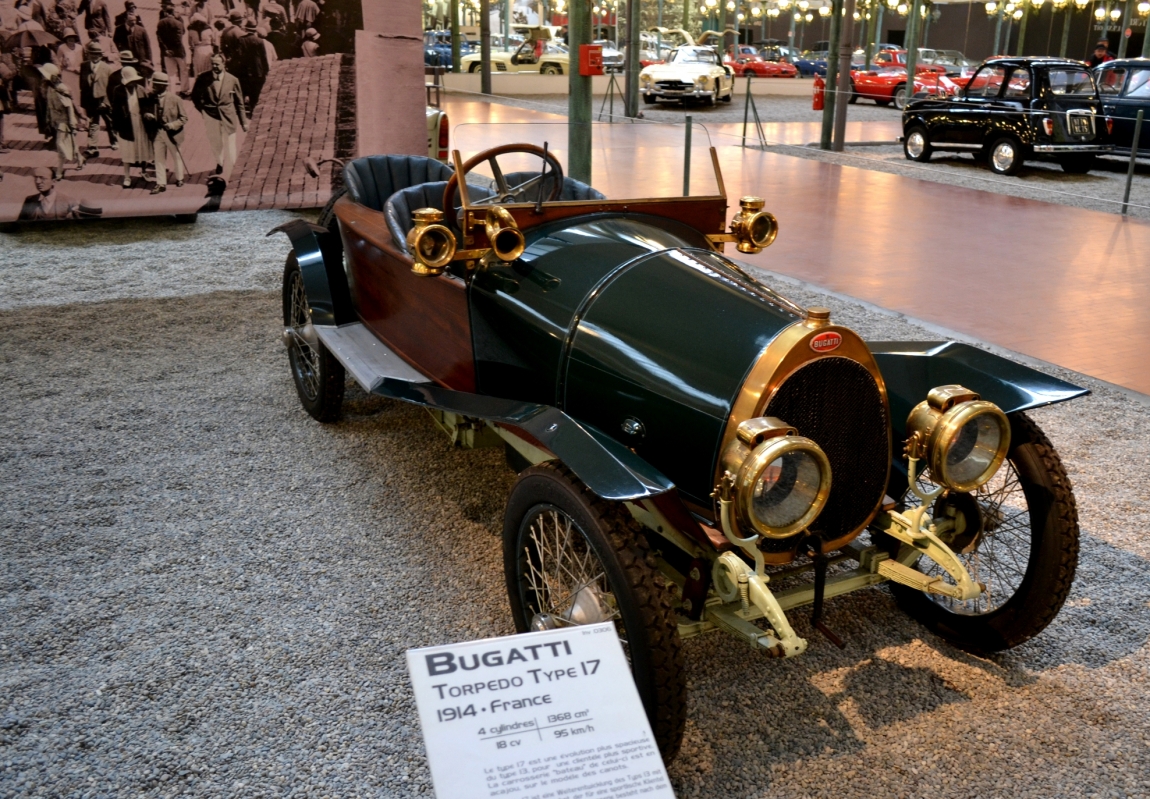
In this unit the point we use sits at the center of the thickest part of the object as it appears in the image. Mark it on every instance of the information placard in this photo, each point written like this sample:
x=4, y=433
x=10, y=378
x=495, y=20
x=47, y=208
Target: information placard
x=547, y=715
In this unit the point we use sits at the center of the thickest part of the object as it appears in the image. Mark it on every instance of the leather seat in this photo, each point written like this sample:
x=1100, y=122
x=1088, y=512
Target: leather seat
x=572, y=189
x=399, y=206
x=371, y=180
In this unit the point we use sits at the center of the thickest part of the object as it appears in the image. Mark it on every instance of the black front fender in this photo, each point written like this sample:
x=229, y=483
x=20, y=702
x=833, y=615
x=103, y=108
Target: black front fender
x=320, y=257
x=912, y=368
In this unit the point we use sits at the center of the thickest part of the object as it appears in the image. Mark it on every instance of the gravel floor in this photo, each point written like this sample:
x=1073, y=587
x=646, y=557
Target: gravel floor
x=1100, y=190
x=207, y=593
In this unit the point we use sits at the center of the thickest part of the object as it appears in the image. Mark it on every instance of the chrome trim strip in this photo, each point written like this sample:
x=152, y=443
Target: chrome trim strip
x=1073, y=148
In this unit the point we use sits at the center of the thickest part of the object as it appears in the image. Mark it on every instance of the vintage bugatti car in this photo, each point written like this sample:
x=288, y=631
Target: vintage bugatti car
x=695, y=452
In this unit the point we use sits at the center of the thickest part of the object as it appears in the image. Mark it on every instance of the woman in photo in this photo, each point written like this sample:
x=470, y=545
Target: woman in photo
x=202, y=42
x=130, y=101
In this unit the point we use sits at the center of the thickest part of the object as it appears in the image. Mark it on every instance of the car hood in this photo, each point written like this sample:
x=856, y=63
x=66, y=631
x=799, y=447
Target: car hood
x=686, y=72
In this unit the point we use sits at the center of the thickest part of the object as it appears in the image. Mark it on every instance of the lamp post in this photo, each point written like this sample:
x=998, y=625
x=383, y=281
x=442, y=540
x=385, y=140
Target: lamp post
x=994, y=9
x=1144, y=12
x=1128, y=6
x=1022, y=5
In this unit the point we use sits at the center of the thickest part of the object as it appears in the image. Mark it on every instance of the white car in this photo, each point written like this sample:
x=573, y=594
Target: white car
x=538, y=55
x=691, y=73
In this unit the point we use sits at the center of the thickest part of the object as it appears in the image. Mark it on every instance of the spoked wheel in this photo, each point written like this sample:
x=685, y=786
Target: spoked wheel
x=571, y=558
x=1021, y=541
x=319, y=377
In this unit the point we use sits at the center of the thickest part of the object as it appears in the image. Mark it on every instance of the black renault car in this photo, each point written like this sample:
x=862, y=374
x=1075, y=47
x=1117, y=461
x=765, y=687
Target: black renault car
x=1124, y=86
x=1014, y=109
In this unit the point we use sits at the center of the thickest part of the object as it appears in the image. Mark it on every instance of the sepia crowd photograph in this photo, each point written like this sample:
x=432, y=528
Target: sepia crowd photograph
x=113, y=108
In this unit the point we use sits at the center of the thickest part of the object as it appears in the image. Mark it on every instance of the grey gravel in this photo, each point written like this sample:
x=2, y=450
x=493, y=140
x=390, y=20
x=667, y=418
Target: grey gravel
x=206, y=593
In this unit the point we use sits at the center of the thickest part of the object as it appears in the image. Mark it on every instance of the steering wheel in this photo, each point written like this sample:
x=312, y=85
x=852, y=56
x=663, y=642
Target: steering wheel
x=503, y=192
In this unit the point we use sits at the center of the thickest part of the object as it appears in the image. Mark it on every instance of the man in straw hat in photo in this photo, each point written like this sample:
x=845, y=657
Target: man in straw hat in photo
x=169, y=120
x=94, y=75
x=130, y=102
x=61, y=116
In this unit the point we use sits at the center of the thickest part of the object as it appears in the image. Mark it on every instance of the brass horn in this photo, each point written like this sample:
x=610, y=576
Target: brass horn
x=753, y=227
x=432, y=244
x=503, y=234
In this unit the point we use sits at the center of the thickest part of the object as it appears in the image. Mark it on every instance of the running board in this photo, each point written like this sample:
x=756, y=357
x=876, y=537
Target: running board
x=368, y=359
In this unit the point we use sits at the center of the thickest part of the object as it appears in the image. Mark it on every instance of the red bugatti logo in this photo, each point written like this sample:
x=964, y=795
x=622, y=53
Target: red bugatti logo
x=825, y=342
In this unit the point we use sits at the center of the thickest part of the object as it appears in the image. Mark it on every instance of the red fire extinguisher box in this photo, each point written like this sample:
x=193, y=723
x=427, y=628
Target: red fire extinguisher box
x=590, y=59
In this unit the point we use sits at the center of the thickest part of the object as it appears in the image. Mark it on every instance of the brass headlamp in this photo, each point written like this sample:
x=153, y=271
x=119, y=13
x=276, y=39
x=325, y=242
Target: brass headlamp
x=753, y=227
x=962, y=437
x=431, y=243
x=781, y=480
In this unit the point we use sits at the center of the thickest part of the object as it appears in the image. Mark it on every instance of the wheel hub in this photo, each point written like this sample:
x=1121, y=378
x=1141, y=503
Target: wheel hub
x=588, y=607
x=915, y=144
x=1003, y=156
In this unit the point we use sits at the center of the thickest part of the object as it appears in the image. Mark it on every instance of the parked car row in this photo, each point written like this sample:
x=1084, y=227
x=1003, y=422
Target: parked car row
x=1012, y=110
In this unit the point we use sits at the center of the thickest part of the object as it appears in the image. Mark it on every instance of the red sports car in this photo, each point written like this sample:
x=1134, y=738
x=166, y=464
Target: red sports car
x=886, y=86
x=745, y=60
x=897, y=58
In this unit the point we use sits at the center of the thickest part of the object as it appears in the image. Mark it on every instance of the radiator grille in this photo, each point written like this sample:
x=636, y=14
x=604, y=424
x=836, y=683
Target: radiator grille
x=836, y=403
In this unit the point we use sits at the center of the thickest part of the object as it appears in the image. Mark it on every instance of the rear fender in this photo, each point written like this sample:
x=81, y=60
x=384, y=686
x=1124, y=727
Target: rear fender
x=910, y=369
x=320, y=257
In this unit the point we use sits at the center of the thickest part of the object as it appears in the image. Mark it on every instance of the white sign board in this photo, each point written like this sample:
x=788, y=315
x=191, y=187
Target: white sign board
x=547, y=715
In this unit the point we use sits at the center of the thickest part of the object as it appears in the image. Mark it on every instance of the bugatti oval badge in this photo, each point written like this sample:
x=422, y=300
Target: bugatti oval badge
x=825, y=342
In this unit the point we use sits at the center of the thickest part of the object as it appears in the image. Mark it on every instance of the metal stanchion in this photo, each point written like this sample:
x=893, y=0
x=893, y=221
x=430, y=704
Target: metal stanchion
x=749, y=108
x=609, y=100
x=687, y=160
x=1133, y=157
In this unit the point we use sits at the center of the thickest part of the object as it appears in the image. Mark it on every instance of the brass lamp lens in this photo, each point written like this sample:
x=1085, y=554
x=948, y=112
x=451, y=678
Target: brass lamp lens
x=763, y=229
x=782, y=486
x=974, y=451
x=786, y=489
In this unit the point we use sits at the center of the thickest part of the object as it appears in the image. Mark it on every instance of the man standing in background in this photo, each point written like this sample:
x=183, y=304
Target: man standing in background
x=97, y=19
x=170, y=36
x=140, y=45
x=251, y=65
x=220, y=100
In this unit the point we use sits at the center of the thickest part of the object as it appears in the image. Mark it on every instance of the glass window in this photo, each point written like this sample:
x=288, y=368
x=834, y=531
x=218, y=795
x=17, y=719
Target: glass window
x=1019, y=85
x=986, y=82
x=1110, y=80
x=691, y=55
x=1071, y=81
x=1139, y=84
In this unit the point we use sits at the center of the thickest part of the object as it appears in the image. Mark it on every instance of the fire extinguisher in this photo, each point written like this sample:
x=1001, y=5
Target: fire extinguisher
x=820, y=93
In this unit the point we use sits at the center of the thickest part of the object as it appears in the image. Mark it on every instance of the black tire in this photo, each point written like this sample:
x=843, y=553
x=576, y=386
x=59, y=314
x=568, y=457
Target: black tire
x=1078, y=164
x=475, y=67
x=1049, y=513
x=730, y=95
x=319, y=378
x=642, y=604
x=899, y=96
x=551, y=69
x=649, y=99
x=917, y=148
x=854, y=98
x=997, y=159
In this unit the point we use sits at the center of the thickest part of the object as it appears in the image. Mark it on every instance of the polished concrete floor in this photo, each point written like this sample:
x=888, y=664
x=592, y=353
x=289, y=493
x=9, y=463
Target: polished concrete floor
x=1060, y=284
